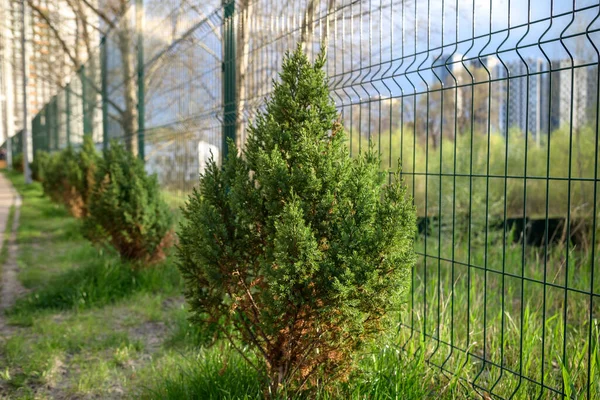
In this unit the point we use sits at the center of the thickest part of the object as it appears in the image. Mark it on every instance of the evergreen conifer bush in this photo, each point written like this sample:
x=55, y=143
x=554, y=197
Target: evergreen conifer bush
x=17, y=163
x=58, y=173
x=82, y=178
x=295, y=249
x=125, y=208
x=39, y=165
x=68, y=176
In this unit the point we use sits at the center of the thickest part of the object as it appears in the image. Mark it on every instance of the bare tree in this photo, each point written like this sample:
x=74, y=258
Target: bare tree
x=264, y=30
x=90, y=24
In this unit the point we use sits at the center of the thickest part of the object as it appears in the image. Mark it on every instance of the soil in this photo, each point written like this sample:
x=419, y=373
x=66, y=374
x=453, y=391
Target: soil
x=10, y=286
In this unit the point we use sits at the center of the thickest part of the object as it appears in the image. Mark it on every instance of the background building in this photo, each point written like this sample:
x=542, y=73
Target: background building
x=544, y=101
x=524, y=97
x=50, y=69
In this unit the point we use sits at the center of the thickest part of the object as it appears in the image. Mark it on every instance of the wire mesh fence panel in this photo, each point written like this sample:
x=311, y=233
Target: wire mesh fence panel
x=182, y=83
x=489, y=107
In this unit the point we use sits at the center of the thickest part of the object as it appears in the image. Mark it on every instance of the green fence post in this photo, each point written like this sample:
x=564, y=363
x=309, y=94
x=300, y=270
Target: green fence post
x=47, y=128
x=47, y=136
x=68, y=109
x=228, y=78
x=50, y=126
x=34, y=131
x=56, y=121
x=103, y=66
x=39, y=131
x=86, y=117
x=139, y=9
x=38, y=142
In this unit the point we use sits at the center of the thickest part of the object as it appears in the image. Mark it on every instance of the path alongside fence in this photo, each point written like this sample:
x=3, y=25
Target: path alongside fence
x=10, y=287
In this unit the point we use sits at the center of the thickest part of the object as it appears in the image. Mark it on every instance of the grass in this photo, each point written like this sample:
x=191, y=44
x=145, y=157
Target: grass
x=7, y=232
x=385, y=373
x=89, y=323
x=531, y=313
x=525, y=311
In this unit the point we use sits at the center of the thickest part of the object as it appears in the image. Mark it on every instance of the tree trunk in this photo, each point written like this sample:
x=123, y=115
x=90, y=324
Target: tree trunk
x=242, y=52
x=129, y=120
x=90, y=75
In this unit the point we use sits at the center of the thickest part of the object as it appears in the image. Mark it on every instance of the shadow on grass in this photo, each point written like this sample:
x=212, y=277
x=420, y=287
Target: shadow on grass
x=99, y=282
x=185, y=335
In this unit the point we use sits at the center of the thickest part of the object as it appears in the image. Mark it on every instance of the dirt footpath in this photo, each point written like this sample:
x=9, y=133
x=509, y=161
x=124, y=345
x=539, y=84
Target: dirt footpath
x=10, y=287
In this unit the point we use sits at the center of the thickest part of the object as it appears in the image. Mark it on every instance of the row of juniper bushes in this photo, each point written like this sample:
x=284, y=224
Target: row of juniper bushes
x=120, y=204
x=293, y=249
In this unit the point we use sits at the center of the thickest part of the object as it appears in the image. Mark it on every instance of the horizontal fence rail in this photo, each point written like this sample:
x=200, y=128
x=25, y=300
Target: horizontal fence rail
x=489, y=107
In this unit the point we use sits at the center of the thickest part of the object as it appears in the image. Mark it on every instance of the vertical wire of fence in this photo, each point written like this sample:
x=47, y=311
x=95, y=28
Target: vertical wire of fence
x=489, y=107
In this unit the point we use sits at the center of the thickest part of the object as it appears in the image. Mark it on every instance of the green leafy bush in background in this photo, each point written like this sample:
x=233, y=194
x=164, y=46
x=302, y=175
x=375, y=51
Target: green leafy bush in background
x=17, y=162
x=125, y=208
x=83, y=178
x=39, y=165
x=463, y=177
x=54, y=175
x=58, y=177
x=69, y=175
x=295, y=249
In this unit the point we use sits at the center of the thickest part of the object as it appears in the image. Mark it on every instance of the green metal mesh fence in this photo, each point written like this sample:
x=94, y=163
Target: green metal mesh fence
x=489, y=106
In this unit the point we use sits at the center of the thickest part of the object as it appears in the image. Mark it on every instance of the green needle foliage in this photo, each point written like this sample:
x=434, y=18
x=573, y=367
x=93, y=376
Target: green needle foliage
x=295, y=249
x=60, y=172
x=39, y=165
x=68, y=176
x=83, y=178
x=126, y=210
x=17, y=162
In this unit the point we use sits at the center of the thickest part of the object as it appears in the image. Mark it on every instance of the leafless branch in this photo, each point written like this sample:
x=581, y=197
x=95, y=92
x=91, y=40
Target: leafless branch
x=55, y=32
